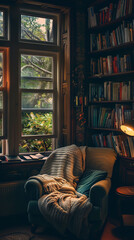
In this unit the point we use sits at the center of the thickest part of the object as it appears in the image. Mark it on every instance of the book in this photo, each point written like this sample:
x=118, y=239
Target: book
x=92, y=21
x=116, y=145
x=131, y=146
x=127, y=147
x=109, y=63
x=27, y=157
x=110, y=12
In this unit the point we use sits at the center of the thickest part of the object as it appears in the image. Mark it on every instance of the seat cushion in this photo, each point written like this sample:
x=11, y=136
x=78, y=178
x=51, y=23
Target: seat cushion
x=90, y=177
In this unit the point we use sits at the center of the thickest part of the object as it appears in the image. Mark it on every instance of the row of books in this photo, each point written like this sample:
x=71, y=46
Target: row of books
x=107, y=117
x=96, y=92
x=111, y=91
x=123, y=145
x=111, y=64
x=124, y=8
x=122, y=34
x=109, y=13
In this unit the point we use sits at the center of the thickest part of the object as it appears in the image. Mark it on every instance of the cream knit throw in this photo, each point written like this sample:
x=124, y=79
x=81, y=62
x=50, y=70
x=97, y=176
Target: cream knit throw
x=61, y=205
x=66, y=162
x=64, y=208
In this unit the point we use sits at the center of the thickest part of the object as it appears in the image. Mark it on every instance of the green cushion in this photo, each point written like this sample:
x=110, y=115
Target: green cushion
x=89, y=178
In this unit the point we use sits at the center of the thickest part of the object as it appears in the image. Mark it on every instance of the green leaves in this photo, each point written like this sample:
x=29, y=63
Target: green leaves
x=36, y=145
x=36, y=124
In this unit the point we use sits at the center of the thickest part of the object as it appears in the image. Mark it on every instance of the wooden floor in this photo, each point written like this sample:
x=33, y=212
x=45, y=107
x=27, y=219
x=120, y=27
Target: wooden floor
x=112, y=230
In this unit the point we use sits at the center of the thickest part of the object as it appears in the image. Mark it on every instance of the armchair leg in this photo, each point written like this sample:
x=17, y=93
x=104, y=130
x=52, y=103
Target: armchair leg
x=33, y=228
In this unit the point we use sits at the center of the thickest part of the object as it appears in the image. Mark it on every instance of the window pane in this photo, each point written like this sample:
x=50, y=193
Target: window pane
x=1, y=131
x=37, y=100
x=1, y=69
x=36, y=123
x=1, y=24
x=0, y=146
x=35, y=145
x=36, y=28
x=36, y=66
x=36, y=83
x=1, y=100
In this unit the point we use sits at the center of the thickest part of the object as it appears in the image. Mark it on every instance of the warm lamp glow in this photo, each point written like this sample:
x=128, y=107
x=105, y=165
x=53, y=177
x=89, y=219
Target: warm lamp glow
x=128, y=128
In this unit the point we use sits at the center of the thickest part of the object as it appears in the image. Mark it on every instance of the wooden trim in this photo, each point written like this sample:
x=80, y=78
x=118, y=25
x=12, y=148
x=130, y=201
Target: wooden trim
x=65, y=80
x=38, y=136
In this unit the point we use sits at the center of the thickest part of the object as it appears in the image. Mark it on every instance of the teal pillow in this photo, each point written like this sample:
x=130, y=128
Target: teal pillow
x=89, y=178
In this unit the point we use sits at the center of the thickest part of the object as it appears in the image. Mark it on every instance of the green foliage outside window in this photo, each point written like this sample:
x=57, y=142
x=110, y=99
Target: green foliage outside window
x=36, y=145
x=1, y=24
x=34, y=71
x=35, y=124
x=36, y=28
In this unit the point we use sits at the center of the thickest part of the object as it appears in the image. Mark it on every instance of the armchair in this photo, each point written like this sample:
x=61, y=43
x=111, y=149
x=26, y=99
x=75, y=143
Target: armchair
x=95, y=159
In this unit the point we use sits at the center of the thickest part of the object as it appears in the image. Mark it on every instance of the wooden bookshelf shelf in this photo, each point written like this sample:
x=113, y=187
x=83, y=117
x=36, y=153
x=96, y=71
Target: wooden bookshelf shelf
x=105, y=129
x=126, y=158
x=116, y=49
x=111, y=102
x=126, y=75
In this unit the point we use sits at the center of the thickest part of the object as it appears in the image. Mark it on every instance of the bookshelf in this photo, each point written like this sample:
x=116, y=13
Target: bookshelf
x=110, y=45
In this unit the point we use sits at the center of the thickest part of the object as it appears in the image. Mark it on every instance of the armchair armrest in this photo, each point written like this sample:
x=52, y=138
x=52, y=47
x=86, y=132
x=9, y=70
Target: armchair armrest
x=33, y=189
x=99, y=190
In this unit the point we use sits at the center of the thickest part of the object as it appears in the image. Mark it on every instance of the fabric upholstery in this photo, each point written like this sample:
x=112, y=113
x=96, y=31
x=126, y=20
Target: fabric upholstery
x=90, y=177
x=95, y=159
x=101, y=159
x=99, y=190
x=34, y=189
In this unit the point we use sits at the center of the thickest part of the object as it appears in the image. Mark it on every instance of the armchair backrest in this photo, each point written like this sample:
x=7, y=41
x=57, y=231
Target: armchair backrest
x=100, y=159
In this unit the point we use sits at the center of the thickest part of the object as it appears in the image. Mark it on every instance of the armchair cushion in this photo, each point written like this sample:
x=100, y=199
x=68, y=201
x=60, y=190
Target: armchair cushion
x=89, y=178
x=101, y=159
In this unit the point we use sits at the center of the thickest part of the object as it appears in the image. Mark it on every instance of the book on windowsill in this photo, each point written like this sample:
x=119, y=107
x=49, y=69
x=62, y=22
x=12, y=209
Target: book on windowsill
x=12, y=158
x=32, y=157
x=37, y=156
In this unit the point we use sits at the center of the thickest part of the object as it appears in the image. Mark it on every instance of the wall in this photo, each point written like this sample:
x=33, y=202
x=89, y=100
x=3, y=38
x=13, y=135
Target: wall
x=79, y=109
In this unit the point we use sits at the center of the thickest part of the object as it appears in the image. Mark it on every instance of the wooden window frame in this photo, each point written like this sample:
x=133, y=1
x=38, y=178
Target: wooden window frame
x=14, y=46
x=41, y=15
x=53, y=91
x=19, y=46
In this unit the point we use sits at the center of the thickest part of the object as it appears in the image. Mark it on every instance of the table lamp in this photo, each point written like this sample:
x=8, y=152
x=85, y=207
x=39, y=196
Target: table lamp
x=128, y=128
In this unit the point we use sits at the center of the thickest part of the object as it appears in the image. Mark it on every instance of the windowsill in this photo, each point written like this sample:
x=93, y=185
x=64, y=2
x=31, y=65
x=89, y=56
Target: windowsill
x=22, y=158
x=22, y=161
x=21, y=170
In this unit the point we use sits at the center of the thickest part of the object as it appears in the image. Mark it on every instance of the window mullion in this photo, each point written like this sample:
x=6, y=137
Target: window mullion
x=5, y=89
x=13, y=95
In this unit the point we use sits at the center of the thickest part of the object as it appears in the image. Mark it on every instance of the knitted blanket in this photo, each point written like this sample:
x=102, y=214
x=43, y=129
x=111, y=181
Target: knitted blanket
x=64, y=208
x=61, y=205
x=66, y=162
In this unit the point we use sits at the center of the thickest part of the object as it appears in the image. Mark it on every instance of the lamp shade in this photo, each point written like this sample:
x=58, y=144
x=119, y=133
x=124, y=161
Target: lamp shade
x=128, y=128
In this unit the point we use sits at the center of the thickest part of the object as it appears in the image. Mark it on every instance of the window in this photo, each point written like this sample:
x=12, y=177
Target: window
x=3, y=23
x=35, y=28
x=37, y=101
x=3, y=88
x=30, y=119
